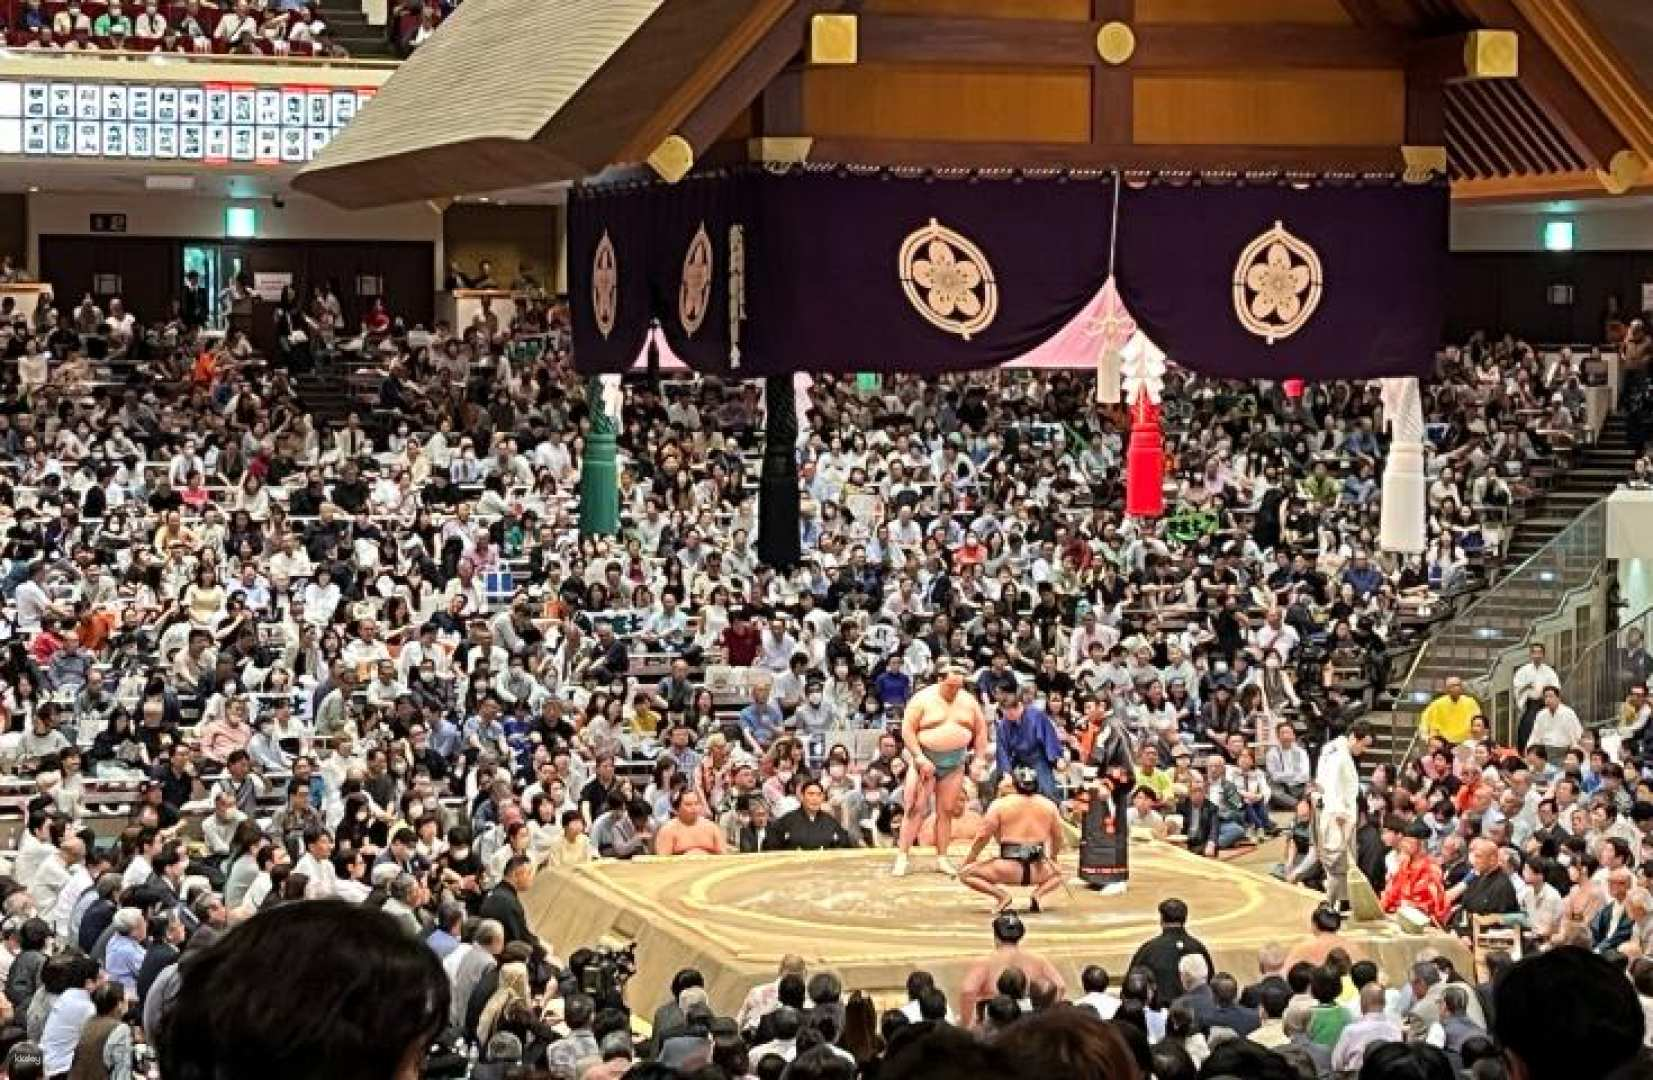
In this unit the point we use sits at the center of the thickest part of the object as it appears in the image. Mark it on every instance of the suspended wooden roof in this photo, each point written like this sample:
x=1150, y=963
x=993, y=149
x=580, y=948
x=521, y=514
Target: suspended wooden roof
x=1510, y=98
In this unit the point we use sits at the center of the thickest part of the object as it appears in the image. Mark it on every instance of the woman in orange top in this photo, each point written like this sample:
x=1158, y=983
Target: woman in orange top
x=205, y=372
x=94, y=629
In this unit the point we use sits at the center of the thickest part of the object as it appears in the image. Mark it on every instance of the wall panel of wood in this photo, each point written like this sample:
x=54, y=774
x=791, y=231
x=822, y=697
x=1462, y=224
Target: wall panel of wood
x=949, y=103
x=1308, y=107
x=1323, y=12
x=1077, y=10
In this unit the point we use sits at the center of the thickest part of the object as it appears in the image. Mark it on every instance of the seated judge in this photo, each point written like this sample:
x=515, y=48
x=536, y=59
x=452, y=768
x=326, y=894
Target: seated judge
x=1487, y=890
x=808, y=828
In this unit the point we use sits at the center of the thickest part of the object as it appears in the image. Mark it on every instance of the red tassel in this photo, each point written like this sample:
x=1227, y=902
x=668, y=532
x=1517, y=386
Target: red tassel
x=1145, y=463
x=1293, y=388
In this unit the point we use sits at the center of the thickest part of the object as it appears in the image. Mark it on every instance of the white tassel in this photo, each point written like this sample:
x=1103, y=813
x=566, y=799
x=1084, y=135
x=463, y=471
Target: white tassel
x=1403, y=524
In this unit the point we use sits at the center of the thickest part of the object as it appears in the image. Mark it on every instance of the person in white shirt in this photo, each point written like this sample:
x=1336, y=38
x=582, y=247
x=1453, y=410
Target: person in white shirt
x=1373, y=1026
x=1087, y=633
x=367, y=647
x=1338, y=779
x=777, y=647
x=321, y=598
x=1094, y=979
x=1555, y=726
x=416, y=652
x=33, y=849
x=317, y=866
x=1527, y=688
x=32, y=602
x=784, y=1023
x=81, y=880
x=68, y=1017
x=141, y=868
x=150, y=24
x=290, y=562
x=1276, y=634
x=237, y=24
x=54, y=874
x=120, y=322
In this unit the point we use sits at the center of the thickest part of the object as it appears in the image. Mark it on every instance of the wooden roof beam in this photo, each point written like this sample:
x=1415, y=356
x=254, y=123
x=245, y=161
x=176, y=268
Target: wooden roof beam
x=686, y=125
x=1490, y=135
x=1527, y=124
x=918, y=39
x=1589, y=132
x=1103, y=156
x=1383, y=13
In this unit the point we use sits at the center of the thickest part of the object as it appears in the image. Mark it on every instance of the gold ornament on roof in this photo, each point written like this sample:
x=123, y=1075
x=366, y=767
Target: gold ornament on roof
x=1277, y=284
x=948, y=280
x=605, y=286
x=695, y=293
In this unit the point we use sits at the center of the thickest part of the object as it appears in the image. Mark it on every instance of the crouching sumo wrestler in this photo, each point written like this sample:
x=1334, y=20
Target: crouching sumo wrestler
x=1028, y=829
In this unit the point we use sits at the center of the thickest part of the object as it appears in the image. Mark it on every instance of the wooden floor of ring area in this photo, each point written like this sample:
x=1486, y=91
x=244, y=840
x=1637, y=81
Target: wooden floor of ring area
x=733, y=917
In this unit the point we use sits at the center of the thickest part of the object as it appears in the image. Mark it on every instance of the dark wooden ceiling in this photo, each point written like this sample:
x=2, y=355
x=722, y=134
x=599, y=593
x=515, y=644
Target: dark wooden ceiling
x=1495, y=130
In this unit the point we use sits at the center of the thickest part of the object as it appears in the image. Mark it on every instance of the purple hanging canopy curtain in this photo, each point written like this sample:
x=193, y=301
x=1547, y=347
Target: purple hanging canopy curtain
x=832, y=270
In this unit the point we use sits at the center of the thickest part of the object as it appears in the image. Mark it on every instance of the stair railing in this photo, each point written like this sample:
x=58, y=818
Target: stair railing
x=1398, y=760
x=1603, y=671
x=1567, y=564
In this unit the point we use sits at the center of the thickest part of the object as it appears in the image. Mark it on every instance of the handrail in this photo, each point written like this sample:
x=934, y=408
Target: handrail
x=1593, y=682
x=1417, y=730
x=1580, y=654
x=1488, y=593
x=1521, y=575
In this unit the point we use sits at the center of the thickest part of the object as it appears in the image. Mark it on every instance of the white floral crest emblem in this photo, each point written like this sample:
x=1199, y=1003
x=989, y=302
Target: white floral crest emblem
x=605, y=286
x=695, y=294
x=948, y=280
x=1278, y=283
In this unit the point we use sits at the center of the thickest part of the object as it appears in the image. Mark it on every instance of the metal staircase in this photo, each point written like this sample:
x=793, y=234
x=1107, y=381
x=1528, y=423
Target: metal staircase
x=1557, y=549
x=1600, y=469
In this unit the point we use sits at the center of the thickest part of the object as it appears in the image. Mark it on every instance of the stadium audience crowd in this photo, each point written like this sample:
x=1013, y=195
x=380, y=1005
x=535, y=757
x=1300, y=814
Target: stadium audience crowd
x=259, y=654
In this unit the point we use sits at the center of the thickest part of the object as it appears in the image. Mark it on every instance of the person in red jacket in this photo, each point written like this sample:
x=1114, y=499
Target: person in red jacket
x=1417, y=881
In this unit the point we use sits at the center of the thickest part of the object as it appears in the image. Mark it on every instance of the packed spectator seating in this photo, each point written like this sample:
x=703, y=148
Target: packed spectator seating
x=258, y=653
x=267, y=27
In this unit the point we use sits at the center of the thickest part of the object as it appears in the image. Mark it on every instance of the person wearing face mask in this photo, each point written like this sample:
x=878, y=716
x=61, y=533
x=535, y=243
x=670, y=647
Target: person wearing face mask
x=817, y=715
x=838, y=779
x=264, y=748
x=1279, y=695
x=864, y=810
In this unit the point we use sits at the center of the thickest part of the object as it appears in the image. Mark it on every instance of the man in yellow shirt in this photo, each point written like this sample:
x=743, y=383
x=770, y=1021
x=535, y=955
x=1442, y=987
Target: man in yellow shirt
x=1449, y=715
x=1149, y=775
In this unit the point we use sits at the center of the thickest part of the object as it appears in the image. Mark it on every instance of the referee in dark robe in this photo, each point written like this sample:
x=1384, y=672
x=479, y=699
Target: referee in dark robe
x=807, y=828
